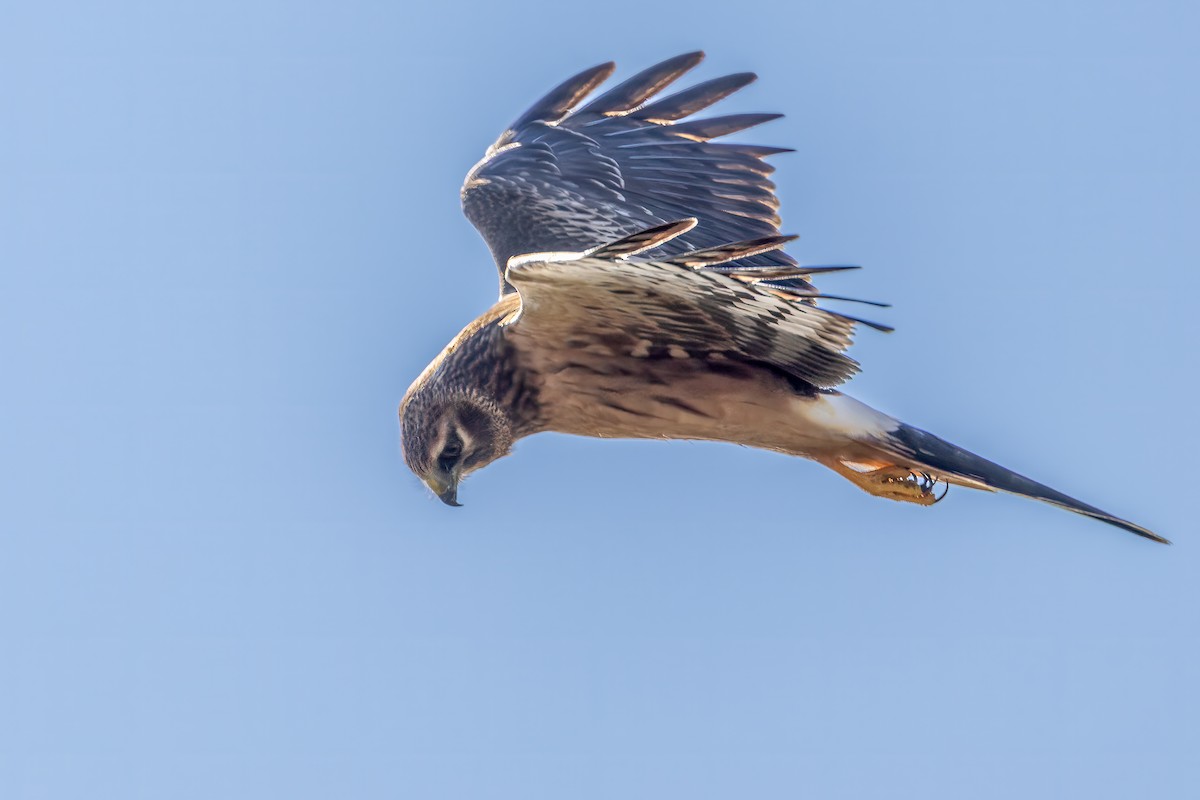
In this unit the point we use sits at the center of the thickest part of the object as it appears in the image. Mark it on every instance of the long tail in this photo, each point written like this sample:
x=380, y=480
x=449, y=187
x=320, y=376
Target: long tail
x=952, y=464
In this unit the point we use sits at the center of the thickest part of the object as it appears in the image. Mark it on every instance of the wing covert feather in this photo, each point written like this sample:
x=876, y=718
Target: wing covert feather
x=683, y=307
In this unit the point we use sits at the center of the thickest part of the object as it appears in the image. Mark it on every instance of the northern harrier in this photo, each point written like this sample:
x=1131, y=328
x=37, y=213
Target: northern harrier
x=644, y=294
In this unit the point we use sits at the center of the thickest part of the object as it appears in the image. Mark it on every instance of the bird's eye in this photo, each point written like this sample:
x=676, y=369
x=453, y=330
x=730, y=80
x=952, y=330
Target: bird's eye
x=450, y=455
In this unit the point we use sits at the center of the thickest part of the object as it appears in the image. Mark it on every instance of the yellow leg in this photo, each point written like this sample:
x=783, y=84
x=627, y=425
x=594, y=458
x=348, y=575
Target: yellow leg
x=890, y=481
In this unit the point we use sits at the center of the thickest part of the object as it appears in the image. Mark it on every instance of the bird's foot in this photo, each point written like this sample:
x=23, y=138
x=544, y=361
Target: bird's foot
x=895, y=483
x=899, y=483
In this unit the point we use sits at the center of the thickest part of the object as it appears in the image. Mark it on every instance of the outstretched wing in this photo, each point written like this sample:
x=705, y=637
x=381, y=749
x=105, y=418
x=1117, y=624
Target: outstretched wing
x=699, y=304
x=562, y=178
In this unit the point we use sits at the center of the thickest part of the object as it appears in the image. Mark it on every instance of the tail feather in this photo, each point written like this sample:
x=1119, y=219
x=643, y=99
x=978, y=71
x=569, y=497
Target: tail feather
x=955, y=465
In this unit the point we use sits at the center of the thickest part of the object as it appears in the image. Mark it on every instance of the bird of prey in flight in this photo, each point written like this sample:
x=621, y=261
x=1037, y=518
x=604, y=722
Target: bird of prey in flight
x=644, y=293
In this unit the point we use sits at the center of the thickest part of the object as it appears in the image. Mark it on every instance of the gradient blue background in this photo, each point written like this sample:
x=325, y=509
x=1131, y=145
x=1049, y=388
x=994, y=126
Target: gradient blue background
x=230, y=238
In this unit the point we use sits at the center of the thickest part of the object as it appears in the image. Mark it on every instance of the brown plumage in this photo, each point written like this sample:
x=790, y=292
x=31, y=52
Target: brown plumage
x=644, y=294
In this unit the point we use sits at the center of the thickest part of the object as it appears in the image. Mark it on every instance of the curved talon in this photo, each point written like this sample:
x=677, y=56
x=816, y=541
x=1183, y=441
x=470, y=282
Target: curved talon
x=893, y=482
x=928, y=483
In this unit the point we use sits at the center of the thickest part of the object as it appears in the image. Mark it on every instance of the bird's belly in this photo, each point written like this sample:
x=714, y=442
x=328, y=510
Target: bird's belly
x=689, y=399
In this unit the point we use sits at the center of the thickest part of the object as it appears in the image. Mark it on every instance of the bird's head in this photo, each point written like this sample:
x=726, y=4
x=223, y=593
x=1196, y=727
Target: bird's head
x=448, y=433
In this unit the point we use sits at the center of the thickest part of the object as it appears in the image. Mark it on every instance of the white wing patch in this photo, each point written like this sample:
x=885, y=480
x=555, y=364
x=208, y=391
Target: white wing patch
x=839, y=414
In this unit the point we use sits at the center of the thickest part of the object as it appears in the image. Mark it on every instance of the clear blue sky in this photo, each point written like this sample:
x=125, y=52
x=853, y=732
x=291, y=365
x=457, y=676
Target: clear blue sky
x=230, y=238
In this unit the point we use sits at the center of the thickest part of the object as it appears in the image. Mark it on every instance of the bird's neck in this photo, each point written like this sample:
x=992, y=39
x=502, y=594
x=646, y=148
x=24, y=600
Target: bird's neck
x=482, y=357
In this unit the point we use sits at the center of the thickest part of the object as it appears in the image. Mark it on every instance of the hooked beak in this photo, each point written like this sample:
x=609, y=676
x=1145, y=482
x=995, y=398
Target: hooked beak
x=445, y=486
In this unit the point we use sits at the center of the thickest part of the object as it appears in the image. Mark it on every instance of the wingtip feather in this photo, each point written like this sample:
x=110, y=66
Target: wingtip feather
x=643, y=240
x=734, y=251
x=559, y=101
x=702, y=130
x=693, y=99
x=632, y=92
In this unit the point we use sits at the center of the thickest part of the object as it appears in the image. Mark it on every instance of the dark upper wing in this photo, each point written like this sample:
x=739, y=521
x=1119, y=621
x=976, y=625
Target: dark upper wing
x=562, y=178
x=702, y=304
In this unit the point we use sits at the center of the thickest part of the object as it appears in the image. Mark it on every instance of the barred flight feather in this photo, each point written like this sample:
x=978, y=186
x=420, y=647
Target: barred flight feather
x=567, y=179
